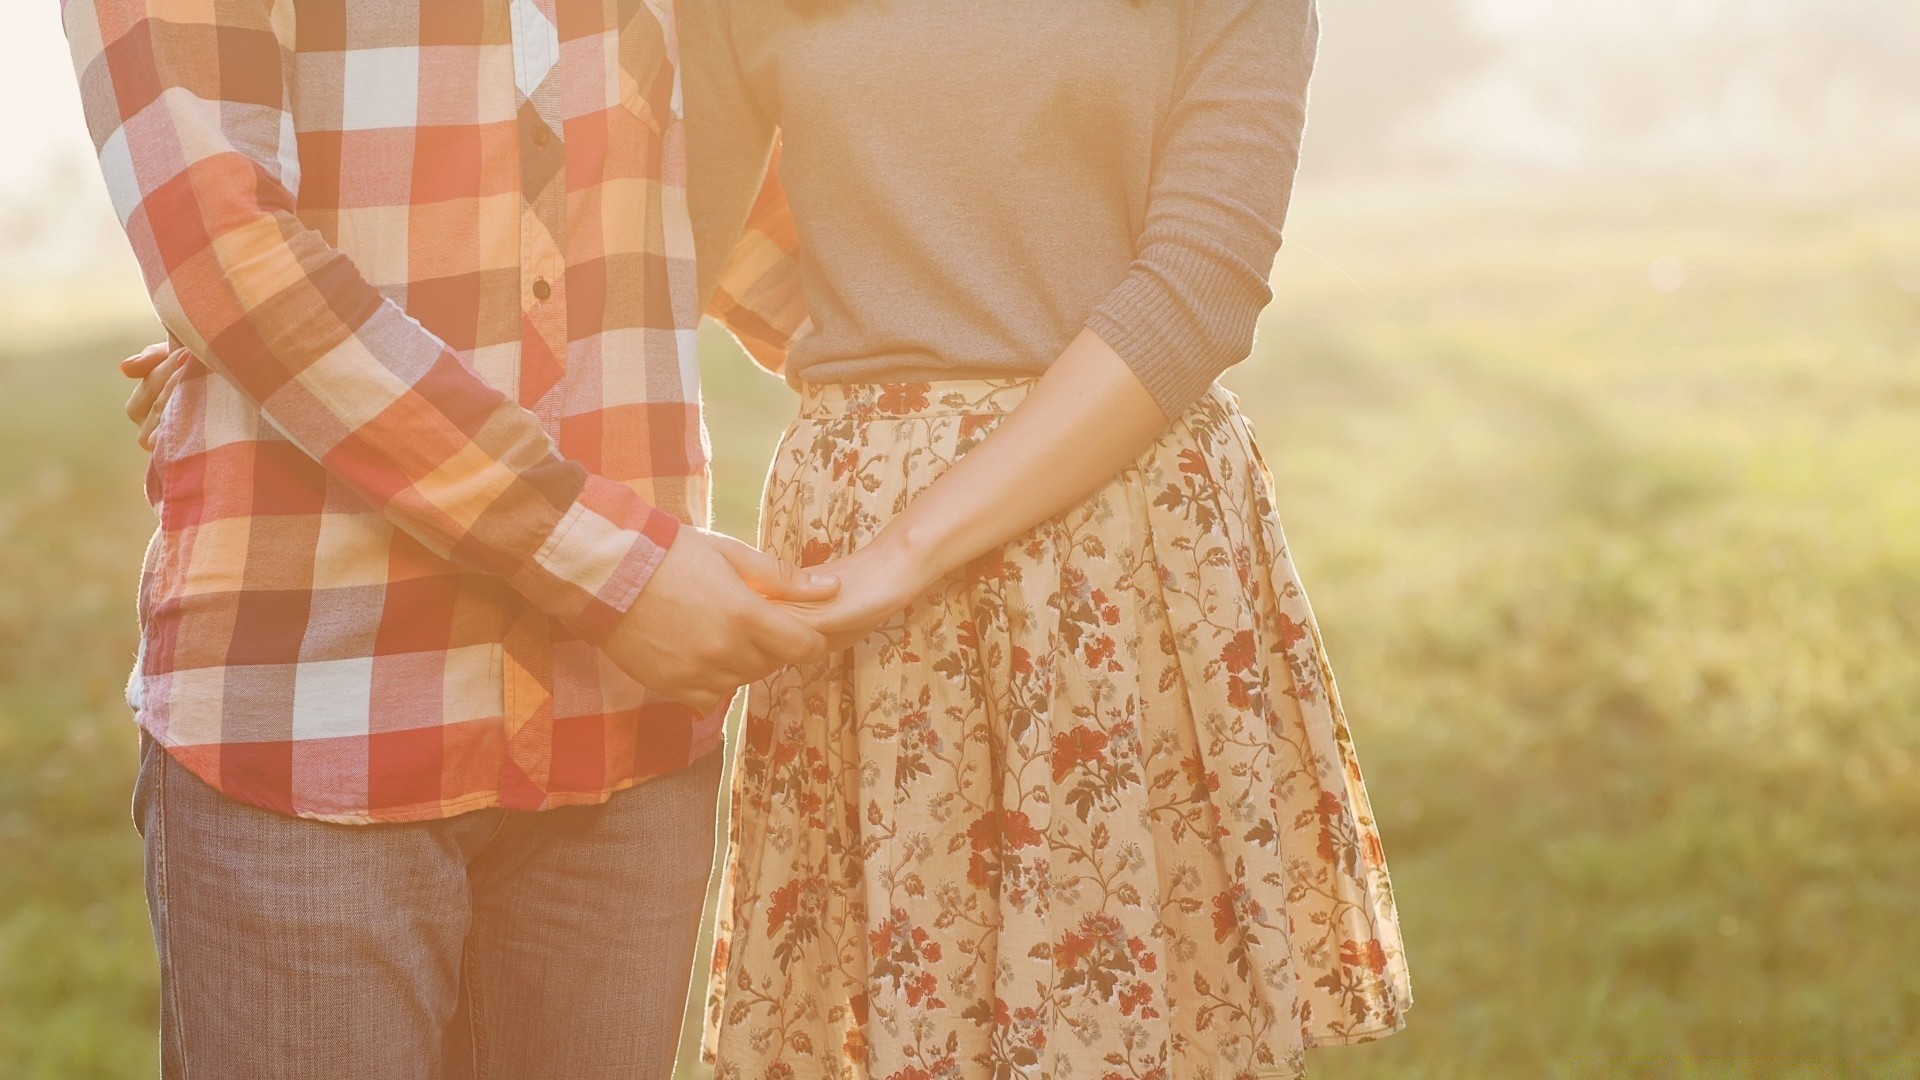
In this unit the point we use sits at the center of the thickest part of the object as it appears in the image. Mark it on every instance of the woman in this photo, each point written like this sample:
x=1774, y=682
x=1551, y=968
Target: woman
x=1076, y=798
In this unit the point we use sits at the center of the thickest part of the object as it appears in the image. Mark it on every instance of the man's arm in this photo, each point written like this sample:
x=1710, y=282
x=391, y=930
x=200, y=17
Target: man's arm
x=188, y=108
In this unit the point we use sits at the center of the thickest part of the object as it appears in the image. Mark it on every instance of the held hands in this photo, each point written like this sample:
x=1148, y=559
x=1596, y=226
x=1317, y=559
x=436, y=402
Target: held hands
x=877, y=582
x=704, y=626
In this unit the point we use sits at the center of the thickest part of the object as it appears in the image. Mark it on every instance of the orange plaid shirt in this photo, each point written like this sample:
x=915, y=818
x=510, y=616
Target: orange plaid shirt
x=436, y=259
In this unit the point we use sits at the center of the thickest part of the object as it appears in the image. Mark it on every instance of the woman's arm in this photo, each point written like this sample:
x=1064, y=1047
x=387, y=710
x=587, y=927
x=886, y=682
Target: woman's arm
x=1184, y=312
x=1087, y=419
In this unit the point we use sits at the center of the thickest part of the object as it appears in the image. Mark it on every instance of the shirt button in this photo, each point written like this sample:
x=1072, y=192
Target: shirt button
x=541, y=290
x=541, y=136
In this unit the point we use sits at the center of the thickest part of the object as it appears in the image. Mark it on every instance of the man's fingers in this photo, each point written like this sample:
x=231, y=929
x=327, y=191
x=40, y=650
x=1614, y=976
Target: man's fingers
x=137, y=365
x=787, y=638
x=752, y=664
x=774, y=579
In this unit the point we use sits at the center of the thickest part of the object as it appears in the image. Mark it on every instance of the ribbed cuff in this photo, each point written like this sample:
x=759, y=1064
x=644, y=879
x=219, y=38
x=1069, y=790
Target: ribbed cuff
x=1184, y=314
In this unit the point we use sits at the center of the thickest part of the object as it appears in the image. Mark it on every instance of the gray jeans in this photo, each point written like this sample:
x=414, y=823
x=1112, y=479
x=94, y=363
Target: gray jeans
x=495, y=945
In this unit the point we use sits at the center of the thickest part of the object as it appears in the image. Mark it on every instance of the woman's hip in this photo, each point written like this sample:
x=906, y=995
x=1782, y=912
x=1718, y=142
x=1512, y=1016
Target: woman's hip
x=858, y=453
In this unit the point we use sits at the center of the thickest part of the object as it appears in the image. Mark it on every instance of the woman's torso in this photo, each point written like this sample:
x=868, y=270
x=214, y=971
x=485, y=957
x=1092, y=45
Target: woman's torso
x=968, y=177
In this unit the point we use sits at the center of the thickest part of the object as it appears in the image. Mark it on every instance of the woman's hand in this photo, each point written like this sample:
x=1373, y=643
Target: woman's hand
x=159, y=371
x=877, y=582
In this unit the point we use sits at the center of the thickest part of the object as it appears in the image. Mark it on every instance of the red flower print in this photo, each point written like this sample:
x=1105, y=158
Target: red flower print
x=1354, y=954
x=1082, y=745
x=928, y=948
x=920, y=987
x=1290, y=632
x=1100, y=651
x=1192, y=463
x=816, y=552
x=1239, y=653
x=897, y=399
x=1198, y=774
x=1336, y=829
x=786, y=900
x=967, y=636
x=1071, y=948
x=1009, y=827
x=1136, y=997
x=1225, y=921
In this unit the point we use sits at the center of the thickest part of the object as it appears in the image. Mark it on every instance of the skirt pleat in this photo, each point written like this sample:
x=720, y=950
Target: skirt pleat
x=1089, y=809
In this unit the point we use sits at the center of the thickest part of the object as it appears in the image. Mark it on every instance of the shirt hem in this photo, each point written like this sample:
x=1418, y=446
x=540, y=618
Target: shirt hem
x=440, y=811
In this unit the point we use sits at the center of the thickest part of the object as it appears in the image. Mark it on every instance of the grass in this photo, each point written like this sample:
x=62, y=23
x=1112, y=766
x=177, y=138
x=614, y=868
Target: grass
x=1623, y=586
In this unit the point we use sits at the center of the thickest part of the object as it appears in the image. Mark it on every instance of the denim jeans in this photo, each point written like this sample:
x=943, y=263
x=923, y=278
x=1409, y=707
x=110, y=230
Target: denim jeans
x=496, y=945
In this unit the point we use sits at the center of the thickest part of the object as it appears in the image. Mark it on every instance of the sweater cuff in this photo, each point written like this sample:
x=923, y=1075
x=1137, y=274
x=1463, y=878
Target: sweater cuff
x=1183, y=315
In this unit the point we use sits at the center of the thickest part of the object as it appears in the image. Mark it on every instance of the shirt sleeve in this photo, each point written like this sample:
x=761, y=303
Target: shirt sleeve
x=189, y=109
x=1222, y=177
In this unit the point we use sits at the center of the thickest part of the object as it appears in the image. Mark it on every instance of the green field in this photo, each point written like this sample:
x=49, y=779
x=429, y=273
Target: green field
x=1622, y=584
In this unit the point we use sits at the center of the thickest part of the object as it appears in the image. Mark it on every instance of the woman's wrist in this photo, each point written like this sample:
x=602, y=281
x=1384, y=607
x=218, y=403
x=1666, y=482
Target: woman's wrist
x=915, y=551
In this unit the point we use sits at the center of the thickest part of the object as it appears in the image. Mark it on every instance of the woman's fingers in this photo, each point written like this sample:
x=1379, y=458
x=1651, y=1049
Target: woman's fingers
x=137, y=365
x=154, y=379
x=150, y=420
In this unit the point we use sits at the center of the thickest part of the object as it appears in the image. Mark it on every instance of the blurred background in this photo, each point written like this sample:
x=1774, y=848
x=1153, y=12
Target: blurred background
x=1593, y=393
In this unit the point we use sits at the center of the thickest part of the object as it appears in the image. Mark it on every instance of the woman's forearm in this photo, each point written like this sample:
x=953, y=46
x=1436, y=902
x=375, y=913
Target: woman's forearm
x=1084, y=421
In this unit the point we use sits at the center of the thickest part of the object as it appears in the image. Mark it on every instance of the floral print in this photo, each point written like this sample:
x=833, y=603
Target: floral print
x=1088, y=810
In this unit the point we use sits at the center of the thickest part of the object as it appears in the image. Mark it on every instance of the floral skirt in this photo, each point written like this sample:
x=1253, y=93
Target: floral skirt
x=1089, y=810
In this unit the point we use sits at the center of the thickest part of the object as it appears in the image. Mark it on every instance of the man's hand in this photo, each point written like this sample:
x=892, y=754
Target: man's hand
x=159, y=372
x=703, y=627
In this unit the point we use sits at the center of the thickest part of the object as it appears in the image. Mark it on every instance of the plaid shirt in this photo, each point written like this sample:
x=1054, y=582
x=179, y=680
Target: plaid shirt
x=438, y=259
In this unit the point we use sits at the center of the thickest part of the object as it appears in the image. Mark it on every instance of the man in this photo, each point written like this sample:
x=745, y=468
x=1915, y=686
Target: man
x=433, y=659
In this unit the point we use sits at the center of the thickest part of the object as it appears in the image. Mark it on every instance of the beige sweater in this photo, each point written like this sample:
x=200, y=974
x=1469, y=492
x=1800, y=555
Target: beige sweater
x=975, y=180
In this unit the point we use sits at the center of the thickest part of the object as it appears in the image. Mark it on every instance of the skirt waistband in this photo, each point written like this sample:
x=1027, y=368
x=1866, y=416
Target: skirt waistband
x=911, y=400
